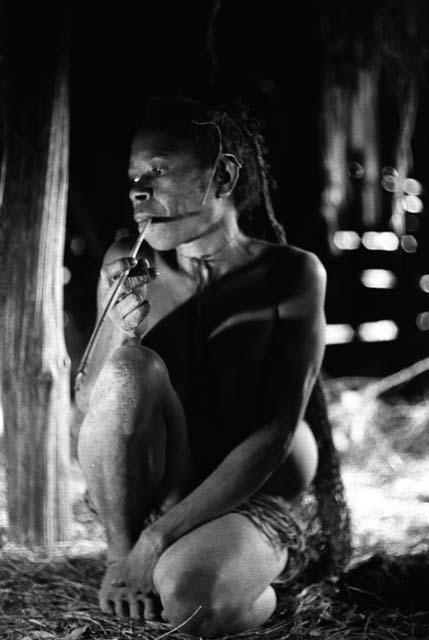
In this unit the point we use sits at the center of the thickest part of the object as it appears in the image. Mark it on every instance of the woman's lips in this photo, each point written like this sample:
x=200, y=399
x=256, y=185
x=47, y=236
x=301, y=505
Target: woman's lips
x=164, y=219
x=159, y=219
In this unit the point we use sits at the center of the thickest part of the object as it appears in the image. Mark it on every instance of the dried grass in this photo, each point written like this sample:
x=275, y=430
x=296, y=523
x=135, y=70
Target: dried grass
x=380, y=599
x=362, y=422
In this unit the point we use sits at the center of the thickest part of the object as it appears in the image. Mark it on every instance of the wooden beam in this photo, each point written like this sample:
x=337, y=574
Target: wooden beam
x=34, y=363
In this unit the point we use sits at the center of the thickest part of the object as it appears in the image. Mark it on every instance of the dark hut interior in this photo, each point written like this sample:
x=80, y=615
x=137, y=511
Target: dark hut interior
x=287, y=66
x=343, y=90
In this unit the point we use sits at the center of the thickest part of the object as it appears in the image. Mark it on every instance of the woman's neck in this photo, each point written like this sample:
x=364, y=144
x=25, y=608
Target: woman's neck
x=224, y=248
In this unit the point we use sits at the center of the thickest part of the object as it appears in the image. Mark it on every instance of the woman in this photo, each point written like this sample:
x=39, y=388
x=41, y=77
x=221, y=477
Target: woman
x=194, y=446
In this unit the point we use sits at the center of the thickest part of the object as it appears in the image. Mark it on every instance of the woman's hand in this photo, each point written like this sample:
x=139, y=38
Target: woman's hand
x=131, y=308
x=115, y=596
x=140, y=564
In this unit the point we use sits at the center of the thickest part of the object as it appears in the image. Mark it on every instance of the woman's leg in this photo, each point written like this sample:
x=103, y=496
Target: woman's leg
x=134, y=424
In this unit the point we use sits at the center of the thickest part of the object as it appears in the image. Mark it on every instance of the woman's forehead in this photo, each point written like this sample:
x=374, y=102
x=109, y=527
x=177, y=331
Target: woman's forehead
x=157, y=142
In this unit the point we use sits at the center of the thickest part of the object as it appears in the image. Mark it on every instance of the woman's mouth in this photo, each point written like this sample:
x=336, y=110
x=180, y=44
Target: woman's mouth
x=166, y=219
x=154, y=220
x=159, y=219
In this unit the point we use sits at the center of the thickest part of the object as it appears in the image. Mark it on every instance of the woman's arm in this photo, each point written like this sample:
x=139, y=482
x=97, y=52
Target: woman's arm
x=296, y=359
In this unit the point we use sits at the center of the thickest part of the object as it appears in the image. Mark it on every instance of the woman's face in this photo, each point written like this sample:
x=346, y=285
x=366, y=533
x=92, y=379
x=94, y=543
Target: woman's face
x=168, y=185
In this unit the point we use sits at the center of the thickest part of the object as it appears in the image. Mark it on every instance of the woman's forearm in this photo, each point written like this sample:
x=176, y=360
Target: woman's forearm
x=238, y=477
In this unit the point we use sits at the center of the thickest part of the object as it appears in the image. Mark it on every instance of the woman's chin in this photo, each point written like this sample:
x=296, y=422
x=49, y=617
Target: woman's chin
x=162, y=243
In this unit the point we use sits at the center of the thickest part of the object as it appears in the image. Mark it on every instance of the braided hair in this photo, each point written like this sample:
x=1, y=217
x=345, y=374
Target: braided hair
x=231, y=130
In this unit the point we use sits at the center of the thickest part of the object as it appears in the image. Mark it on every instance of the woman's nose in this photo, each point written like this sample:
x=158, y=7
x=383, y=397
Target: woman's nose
x=141, y=194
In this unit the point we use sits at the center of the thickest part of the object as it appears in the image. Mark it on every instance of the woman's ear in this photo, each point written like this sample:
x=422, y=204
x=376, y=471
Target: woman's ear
x=227, y=175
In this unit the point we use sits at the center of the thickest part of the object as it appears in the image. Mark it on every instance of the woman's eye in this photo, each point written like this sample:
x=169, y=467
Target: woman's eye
x=154, y=172
x=158, y=171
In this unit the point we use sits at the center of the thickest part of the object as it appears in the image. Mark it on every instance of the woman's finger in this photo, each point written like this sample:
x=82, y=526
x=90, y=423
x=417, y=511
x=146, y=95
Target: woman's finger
x=115, y=269
x=135, y=606
x=152, y=608
x=105, y=604
x=144, y=270
x=132, y=281
x=120, y=606
x=128, y=302
x=136, y=317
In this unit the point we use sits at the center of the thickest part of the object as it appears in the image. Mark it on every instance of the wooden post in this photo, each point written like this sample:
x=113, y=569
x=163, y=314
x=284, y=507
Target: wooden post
x=35, y=367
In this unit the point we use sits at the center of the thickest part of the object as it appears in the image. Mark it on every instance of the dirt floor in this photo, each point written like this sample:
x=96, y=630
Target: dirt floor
x=384, y=595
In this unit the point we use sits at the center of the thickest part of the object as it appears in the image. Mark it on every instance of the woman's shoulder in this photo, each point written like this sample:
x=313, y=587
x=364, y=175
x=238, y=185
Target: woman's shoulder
x=295, y=279
x=288, y=261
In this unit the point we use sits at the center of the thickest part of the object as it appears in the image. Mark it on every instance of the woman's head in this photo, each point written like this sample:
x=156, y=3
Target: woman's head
x=214, y=133
x=225, y=141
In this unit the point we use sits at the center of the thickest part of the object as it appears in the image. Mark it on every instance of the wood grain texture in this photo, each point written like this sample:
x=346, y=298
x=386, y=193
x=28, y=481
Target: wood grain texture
x=35, y=367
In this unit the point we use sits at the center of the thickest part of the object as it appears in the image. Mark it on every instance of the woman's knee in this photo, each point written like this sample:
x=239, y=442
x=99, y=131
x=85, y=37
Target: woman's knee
x=130, y=385
x=137, y=362
x=131, y=373
x=126, y=368
x=213, y=608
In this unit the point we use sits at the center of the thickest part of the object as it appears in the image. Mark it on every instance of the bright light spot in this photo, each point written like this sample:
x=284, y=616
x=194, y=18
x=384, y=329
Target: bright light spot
x=413, y=204
x=66, y=275
x=424, y=283
x=390, y=183
x=66, y=318
x=379, y=331
x=77, y=245
x=335, y=196
x=378, y=279
x=422, y=321
x=409, y=244
x=339, y=333
x=412, y=187
x=346, y=240
x=380, y=240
